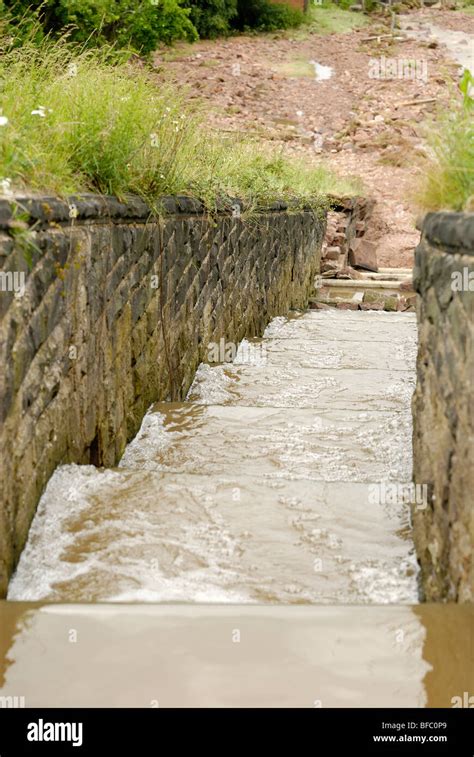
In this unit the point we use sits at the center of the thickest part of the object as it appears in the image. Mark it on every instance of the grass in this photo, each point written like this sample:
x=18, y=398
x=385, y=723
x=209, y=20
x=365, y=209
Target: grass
x=448, y=183
x=296, y=68
x=75, y=121
x=329, y=18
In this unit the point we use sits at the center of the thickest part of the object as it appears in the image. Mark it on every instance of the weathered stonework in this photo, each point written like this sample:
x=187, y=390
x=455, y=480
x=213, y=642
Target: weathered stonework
x=118, y=311
x=443, y=406
x=347, y=224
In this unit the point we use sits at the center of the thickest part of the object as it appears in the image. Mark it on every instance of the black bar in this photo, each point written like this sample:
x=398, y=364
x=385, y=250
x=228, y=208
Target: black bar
x=220, y=731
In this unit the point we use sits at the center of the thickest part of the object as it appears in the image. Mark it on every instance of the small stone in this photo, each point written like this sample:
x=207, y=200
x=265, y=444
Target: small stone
x=348, y=273
x=328, y=267
x=371, y=306
x=410, y=302
x=332, y=253
x=371, y=297
x=347, y=306
x=390, y=303
x=364, y=255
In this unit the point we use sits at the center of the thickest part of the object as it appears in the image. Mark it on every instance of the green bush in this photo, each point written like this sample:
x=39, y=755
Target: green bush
x=266, y=16
x=140, y=24
x=212, y=18
x=143, y=24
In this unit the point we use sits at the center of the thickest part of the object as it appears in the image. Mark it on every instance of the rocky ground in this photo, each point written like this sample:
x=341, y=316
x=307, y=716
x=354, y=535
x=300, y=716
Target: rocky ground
x=364, y=126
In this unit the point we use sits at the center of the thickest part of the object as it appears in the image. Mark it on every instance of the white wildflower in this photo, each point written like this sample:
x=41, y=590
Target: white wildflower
x=39, y=111
x=3, y=120
x=5, y=186
x=72, y=210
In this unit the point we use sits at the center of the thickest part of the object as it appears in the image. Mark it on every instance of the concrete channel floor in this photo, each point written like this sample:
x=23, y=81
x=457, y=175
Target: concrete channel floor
x=268, y=486
x=111, y=655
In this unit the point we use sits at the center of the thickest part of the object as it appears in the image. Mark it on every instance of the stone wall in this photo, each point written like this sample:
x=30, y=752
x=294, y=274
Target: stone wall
x=347, y=224
x=443, y=406
x=117, y=311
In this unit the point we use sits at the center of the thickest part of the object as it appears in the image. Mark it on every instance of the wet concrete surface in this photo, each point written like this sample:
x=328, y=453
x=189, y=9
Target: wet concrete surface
x=266, y=485
x=234, y=656
x=244, y=553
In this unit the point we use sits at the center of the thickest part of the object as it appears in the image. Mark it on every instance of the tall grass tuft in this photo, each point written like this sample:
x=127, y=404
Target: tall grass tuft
x=75, y=120
x=449, y=179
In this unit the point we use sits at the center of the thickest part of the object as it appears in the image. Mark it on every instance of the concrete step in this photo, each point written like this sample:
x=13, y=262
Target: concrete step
x=297, y=384
x=369, y=276
x=359, y=326
x=393, y=284
x=371, y=299
x=401, y=271
x=318, y=354
x=274, y=443
x=203, y=538
x=386, y=290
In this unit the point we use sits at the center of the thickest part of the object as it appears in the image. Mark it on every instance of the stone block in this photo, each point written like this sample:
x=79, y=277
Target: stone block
x=363, y=254
x=443, y=420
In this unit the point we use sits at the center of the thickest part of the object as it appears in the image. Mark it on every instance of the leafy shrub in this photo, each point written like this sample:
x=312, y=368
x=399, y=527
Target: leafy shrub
x=140, y=24
x=212, y=18
x=266, y=16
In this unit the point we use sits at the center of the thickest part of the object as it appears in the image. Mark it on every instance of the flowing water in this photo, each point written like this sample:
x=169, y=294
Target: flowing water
x=459, y=44
x=234, y=655
x=246, y=551
x=270, y=484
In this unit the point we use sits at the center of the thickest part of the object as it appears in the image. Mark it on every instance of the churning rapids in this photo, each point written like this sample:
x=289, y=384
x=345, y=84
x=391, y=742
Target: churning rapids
x=267, y=485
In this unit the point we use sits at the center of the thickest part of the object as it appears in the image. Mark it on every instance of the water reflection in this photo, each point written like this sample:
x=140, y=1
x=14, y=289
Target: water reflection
x=188, y=656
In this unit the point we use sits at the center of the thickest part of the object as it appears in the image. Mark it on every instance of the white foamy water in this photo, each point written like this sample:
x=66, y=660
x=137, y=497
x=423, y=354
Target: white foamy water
x=256, y=489
x=322, y=73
